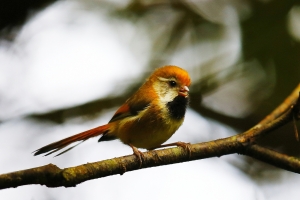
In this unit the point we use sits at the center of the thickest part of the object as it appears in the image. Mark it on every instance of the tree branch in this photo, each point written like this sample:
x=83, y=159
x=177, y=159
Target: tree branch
x=269, y=156
x=244, y=143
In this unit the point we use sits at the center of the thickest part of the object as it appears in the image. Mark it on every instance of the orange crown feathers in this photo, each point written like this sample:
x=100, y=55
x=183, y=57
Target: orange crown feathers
x=175, y=72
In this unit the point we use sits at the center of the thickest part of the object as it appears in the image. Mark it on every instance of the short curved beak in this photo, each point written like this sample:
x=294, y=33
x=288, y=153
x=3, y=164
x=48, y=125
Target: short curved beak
x=184, y=91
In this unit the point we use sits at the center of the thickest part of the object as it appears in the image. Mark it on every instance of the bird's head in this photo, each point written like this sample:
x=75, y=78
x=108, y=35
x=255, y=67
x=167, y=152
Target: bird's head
x=170, y=82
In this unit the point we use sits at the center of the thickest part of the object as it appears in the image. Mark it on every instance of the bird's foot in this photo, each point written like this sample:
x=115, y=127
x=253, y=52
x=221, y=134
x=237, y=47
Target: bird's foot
x=140, y=156
x=185, y=146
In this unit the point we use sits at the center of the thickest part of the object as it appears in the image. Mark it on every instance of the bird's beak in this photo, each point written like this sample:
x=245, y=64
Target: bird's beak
x=184, y=91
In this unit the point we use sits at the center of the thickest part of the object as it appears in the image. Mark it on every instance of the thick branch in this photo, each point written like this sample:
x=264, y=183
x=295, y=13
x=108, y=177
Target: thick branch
x=52, y=176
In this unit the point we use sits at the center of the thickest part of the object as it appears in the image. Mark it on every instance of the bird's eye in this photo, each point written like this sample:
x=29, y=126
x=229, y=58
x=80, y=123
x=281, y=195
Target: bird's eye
x=172, y=83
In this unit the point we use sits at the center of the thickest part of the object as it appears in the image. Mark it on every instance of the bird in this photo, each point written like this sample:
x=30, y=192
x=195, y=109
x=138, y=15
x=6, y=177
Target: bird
x=146, y=120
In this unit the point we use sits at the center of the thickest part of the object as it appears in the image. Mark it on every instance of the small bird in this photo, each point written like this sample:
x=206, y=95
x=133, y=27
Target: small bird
x=147, y=119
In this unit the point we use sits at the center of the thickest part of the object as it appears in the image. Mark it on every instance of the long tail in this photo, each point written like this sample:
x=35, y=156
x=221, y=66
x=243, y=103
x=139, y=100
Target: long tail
x=83, y=136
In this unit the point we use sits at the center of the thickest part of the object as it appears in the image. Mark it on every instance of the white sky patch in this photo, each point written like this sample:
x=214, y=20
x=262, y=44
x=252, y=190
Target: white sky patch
x=294, y=22
x=66, y=56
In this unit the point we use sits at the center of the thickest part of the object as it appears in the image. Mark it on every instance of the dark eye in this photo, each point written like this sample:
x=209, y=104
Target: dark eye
x=172, y=83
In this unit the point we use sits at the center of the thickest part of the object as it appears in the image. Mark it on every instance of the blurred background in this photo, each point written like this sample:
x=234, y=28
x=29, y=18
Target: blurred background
x=66, y=66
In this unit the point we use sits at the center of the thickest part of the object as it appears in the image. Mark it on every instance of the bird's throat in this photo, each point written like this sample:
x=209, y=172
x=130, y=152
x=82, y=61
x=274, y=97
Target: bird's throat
x=177, y=107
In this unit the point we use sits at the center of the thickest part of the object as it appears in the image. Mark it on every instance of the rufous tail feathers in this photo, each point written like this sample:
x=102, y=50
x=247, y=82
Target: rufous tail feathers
x=83, y=136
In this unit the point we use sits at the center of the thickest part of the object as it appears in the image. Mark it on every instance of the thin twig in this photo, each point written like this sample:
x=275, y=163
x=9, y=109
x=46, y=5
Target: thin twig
x=283, y=107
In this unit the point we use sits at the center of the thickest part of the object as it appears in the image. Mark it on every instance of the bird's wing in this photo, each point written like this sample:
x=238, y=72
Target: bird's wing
x=130, y=109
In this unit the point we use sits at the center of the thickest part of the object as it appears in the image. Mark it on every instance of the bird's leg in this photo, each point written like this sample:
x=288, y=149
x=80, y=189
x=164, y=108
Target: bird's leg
x=186, y=146
x=138, y=154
